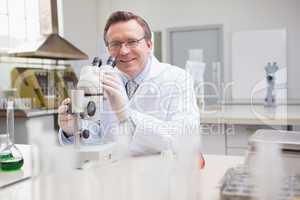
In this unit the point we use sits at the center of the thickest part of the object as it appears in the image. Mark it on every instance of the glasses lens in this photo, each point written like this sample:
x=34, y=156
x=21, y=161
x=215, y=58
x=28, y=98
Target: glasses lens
x=132, y=43
x=114, y=45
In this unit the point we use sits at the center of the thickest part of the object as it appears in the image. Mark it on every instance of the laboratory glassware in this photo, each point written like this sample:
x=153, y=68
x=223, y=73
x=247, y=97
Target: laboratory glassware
x=10, y=156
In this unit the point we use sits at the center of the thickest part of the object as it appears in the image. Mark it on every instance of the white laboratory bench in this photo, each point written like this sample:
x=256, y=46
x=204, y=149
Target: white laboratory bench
x=228, y=115
x=252, y=114
x=134, y=178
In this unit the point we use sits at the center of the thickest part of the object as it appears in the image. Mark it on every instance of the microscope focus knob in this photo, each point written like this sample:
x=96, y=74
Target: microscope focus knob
x=91, y=108
x=269, y=78
x=85, y=134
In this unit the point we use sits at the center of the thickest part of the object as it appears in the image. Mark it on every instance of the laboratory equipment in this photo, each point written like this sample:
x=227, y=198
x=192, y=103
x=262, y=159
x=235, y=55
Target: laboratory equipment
x=270, y=69
x=238, y=184
x=76, y=110
x=288, y=141
x=10, y=156
x=196, y=67
x=217, y=82
x=89, y=100
x=278, y=169
x=45, y=87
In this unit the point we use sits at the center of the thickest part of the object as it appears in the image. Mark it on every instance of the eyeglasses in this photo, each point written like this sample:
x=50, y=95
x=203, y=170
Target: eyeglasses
x=116, y=46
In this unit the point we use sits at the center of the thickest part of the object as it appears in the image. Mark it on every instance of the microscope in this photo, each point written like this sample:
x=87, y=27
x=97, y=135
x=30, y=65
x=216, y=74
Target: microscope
x=87, y=101
x=270, y=69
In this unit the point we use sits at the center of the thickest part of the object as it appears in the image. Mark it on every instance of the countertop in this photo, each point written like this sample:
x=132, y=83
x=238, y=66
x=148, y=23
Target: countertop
x=30, y=113
x=133, y=178
x=252, y=114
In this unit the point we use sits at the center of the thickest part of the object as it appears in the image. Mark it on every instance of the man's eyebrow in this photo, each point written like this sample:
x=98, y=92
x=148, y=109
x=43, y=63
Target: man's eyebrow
x=114, y=41
x=132, y=38
x=123, y=40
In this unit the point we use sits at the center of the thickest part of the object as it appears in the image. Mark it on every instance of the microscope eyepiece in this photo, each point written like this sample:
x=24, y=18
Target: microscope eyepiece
x=111, y=61
x=97, y=62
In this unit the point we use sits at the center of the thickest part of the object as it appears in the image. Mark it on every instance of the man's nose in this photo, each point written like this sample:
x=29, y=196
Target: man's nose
x=124, y=49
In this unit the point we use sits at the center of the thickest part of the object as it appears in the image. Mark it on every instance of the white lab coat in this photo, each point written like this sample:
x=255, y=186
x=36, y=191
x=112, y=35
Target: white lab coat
x=163, y=111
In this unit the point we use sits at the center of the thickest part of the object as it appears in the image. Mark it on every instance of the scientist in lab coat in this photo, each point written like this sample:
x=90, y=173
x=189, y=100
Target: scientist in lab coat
x=155, y=100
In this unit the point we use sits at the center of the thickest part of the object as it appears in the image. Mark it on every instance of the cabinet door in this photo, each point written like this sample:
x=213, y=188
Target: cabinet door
x=208, y=38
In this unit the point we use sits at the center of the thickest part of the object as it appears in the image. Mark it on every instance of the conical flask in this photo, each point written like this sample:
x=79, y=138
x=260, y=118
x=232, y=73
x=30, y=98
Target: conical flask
x=10, y=156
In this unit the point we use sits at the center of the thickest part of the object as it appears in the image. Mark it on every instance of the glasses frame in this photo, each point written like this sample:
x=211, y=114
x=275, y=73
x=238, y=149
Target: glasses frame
x=131, y=44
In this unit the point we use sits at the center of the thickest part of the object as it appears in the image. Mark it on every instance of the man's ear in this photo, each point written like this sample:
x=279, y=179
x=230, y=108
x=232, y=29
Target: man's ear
x=149, y=44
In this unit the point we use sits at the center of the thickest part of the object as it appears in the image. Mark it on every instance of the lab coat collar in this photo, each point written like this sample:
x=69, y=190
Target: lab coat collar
x=156, y=68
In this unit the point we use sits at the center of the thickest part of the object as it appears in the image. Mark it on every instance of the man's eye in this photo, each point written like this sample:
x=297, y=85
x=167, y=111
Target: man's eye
x=114, y=44
x=131, y=42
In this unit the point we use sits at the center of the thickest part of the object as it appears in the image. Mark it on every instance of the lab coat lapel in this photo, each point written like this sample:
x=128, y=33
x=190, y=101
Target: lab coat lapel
x=147, y=89
x=155, y=69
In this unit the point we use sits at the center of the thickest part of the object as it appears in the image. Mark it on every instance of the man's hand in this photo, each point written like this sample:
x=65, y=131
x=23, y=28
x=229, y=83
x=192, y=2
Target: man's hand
x=116, y=94
x=65, y=120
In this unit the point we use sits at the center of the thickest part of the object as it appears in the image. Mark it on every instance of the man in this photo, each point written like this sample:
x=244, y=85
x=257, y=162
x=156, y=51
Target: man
x=160, y=105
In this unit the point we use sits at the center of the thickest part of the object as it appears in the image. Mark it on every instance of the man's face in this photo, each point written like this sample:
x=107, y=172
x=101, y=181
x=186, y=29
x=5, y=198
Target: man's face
x=134, y=51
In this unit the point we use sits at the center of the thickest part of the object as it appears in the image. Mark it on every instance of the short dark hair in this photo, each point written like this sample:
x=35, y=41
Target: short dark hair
x=124, y=16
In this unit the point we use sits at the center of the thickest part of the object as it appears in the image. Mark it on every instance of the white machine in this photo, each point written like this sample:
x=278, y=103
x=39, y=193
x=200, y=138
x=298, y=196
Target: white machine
x=86, y=105
x=87, y=100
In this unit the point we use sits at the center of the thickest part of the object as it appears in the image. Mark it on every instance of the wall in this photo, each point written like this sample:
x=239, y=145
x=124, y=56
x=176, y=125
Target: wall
x=79, y=26
x=235, y=15
x=104, y=10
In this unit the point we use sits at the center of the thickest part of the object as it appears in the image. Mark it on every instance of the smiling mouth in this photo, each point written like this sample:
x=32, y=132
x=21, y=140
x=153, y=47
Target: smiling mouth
x=126, y=61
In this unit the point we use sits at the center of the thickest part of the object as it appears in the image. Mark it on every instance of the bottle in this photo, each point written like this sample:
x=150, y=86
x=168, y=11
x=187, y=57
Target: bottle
x=196, y=67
